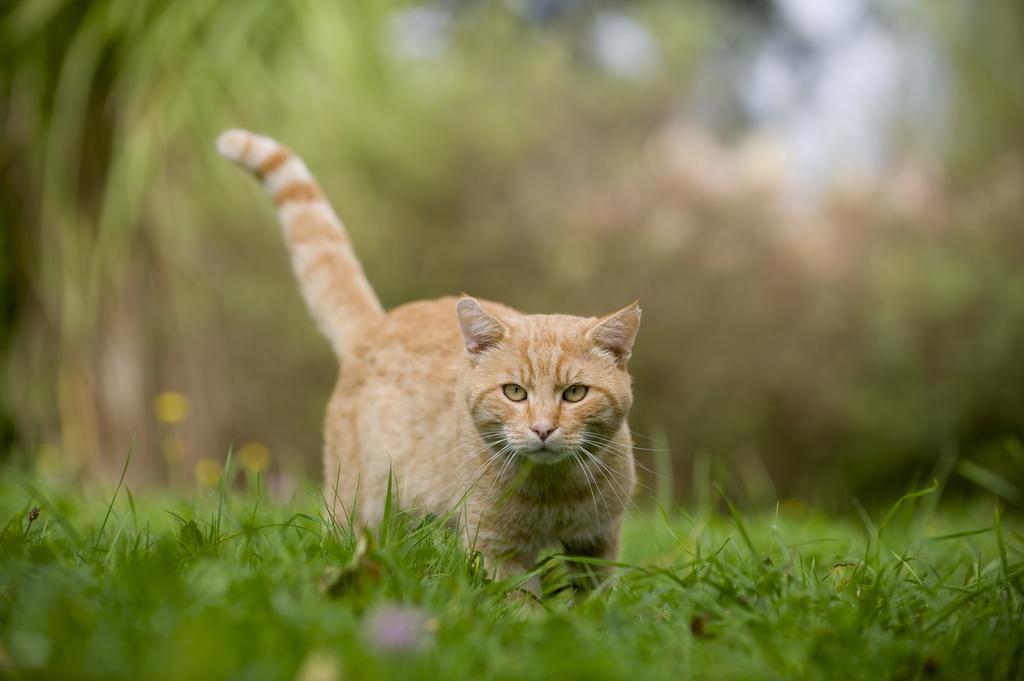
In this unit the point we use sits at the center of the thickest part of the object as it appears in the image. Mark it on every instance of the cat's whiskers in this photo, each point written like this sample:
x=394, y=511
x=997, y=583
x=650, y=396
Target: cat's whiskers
x=591, y=481
x=632, y=481
x=472, y=451
x=597, y=460
x=614, y=448
x=615, y=485
x=590, y=484
x=640, y=435
x=602, y=438
x=494, y=456
x=510, y=460
x=488, y=438
x=486, y=466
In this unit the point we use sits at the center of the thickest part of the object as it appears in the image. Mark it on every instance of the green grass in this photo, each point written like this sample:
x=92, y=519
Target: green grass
x=215, y=585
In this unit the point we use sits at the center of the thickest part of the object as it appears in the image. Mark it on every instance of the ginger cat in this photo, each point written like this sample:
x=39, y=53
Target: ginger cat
x=521, y=416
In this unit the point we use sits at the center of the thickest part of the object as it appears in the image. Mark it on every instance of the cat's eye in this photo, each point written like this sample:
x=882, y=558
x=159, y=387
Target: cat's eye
x=574, y=393
x=516, y=393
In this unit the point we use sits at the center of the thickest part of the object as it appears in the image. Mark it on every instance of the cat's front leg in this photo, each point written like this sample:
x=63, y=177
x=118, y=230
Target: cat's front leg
x=507, y=562
x=516, y=567
x=602, y=545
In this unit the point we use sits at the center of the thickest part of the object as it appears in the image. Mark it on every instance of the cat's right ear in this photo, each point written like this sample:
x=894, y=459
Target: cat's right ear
x=480, y=329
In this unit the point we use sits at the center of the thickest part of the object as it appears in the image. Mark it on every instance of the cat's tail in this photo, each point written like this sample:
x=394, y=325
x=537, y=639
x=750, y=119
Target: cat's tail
x=332, y=280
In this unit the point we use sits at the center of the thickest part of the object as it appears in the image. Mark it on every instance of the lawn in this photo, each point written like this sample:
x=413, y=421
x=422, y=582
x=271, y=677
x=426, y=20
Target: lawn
x=215, y=584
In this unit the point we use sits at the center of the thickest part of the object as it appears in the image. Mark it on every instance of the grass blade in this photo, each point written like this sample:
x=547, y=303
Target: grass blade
x=110, y=506
x=738, y=519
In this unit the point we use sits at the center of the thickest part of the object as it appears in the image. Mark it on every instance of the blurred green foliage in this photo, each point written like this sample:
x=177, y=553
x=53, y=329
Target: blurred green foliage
x=848, y=355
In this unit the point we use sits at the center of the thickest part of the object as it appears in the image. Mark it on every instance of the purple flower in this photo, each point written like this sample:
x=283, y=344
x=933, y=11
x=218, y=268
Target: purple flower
x=397, y=628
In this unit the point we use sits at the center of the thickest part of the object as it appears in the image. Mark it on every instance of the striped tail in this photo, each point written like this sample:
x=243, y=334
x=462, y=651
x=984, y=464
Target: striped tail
x=332, y=280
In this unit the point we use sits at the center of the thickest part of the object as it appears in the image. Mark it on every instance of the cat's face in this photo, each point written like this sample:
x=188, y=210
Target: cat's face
x=547, y=386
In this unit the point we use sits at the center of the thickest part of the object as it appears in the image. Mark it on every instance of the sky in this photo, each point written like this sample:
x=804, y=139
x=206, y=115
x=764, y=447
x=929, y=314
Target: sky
x=831, y=81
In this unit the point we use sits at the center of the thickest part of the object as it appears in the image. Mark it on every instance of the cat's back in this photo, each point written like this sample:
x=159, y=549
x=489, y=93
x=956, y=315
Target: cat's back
x=425, y=332
x=405, y=366
x=393, y=407
x=402, y=373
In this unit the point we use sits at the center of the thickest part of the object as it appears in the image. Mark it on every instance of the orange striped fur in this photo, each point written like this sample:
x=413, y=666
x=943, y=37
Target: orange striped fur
x=424, y=395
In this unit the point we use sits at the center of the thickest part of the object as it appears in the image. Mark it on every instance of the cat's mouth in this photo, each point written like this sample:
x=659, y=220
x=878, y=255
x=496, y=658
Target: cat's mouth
x=546, y=454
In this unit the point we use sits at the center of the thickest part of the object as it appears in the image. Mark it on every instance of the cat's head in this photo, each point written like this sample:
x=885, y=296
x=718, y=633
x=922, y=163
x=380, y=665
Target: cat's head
x=547, y=386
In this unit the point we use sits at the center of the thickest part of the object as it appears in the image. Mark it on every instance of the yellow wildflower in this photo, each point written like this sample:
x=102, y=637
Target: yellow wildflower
x=171, y=407
x=320, y=665
x=254, y=456
x=208, y=472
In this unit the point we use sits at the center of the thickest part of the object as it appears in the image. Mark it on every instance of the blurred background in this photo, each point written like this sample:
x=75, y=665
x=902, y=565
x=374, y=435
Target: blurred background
x=817, y=202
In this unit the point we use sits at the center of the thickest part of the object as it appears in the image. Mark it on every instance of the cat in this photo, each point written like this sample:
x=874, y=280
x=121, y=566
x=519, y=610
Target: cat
x=519, y=420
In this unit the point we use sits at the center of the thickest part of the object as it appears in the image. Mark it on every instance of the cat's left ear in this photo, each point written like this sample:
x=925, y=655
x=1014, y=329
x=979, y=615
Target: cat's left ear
x=480, y=329
x=616, y=332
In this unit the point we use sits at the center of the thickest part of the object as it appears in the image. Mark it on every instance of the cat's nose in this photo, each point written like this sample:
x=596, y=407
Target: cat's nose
x=543, y=430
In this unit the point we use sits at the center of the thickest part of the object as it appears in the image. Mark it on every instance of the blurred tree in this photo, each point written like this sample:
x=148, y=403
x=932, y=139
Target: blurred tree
x=11, y=283
x=792, y=352
x=985, y=39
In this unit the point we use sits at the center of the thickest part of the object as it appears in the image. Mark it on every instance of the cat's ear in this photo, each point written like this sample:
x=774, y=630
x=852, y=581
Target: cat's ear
x=616, y=332
x=480, y=329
